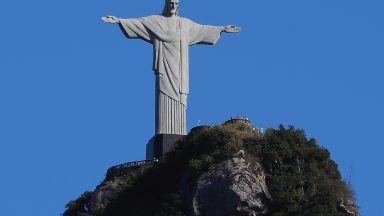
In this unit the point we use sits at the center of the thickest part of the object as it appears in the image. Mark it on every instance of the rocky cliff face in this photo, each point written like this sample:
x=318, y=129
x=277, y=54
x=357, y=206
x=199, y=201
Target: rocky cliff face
x=234, y=187
x=104, y=194
x=118, y=178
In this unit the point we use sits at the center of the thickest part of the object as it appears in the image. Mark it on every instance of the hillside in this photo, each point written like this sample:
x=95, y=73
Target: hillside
x=232, y=169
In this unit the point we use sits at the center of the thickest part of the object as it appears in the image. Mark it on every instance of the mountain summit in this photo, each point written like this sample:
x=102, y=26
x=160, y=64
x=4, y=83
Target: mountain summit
x=231, y=169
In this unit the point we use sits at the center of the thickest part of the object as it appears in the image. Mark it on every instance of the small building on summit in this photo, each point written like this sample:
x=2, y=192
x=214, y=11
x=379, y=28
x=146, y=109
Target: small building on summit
x=241, y=119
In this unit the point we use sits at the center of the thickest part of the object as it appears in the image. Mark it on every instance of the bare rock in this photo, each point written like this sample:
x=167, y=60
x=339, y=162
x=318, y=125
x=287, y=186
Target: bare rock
x=103, y=195
x=233, y=187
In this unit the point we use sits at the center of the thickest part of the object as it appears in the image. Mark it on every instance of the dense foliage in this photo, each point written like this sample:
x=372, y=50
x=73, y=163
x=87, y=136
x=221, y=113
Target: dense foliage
x=78, y=207
x=301, y=177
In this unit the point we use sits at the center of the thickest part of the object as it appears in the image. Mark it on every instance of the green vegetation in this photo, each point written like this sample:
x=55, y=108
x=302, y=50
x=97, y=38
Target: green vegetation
x=78, y=207
x=301, y=177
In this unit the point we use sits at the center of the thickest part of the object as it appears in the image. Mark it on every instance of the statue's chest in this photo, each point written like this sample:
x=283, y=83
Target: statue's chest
x=173, y=26
x=171, y=31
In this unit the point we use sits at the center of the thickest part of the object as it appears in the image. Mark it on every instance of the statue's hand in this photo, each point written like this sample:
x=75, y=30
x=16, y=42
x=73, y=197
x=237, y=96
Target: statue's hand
x=232, y=29
x=110, y=19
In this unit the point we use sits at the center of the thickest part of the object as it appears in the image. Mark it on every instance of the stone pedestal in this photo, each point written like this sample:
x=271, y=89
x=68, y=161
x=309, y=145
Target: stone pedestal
x=161, y=144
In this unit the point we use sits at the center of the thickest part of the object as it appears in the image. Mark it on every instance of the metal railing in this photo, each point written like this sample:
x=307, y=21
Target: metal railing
x=123, y=168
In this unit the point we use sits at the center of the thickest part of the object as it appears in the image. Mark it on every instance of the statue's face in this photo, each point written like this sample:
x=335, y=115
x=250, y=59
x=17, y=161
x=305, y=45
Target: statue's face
x=173, y=7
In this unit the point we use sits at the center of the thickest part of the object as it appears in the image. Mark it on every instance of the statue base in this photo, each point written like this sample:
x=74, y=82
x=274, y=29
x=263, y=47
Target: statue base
x=160, y=144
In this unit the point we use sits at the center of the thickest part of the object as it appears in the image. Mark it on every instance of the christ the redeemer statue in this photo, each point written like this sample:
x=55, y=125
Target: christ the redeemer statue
x=171, y=36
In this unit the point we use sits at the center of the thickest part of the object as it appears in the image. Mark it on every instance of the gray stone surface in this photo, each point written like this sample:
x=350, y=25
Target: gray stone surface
x=233, y=187
x=103, y=195
x=171, y=37
x=111, y=188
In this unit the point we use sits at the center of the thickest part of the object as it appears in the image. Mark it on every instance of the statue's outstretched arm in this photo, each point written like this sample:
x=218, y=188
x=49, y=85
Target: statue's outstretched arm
x=110, y=19
x=231, y=29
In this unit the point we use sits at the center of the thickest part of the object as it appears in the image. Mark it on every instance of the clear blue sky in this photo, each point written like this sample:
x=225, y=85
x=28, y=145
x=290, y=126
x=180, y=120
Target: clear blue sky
x=77, y=97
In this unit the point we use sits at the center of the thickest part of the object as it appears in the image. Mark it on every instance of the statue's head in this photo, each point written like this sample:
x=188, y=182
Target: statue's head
x=171, y=8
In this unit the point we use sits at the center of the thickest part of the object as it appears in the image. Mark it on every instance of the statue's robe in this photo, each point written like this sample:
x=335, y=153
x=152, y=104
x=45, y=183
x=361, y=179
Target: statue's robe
x=170, y=38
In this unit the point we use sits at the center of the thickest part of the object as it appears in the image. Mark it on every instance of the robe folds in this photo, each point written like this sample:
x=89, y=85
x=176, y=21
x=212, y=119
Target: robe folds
x=171, y=39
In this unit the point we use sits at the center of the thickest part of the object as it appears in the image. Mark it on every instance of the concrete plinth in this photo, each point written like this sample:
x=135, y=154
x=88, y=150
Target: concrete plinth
x=161, y=144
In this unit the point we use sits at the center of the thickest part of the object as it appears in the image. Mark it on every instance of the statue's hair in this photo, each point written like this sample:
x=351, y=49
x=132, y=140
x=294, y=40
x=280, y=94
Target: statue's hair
x=165, y=10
